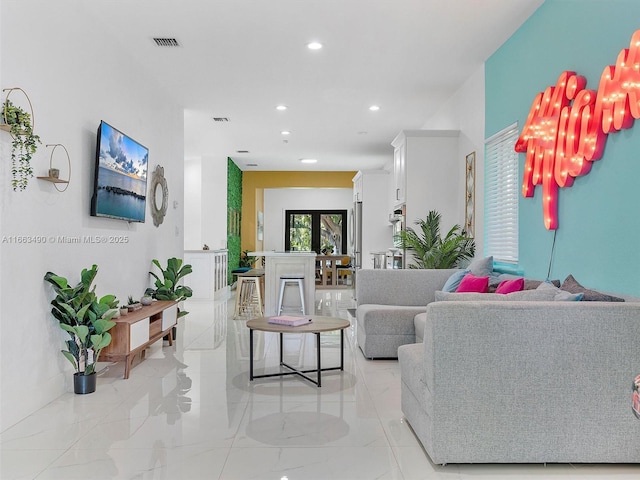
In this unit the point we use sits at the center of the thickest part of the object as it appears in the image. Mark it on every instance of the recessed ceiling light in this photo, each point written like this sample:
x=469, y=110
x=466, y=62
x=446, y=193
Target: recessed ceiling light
x=308, y=160
x=281, y=107
x=374, y=108
x=285, y=132
x=314, y=45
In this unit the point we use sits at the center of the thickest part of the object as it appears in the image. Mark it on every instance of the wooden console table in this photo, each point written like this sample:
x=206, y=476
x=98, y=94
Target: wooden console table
x=137, y=330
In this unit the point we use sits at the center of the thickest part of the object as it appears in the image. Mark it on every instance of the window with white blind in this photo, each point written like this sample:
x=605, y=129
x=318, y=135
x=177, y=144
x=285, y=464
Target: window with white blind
x=501, y=189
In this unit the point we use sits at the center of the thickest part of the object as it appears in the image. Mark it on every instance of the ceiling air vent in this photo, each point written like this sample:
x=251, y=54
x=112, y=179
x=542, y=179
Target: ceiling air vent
x=220, y=119
x=242, y=151
x=166, y=42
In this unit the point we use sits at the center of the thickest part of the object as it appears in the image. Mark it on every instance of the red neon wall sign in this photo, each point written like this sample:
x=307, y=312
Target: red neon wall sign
x=567, y=126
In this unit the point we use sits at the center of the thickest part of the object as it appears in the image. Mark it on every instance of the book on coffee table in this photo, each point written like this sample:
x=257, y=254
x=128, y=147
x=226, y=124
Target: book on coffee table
x=289, y=321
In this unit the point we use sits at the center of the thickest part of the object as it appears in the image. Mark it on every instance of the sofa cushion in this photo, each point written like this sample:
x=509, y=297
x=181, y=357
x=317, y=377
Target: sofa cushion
x=510, y=286
x=411, y=287
x=472, y=283
x=560, y=295
x=454, y=281
x=525, y=295
x=387, y=319
x=570, y=284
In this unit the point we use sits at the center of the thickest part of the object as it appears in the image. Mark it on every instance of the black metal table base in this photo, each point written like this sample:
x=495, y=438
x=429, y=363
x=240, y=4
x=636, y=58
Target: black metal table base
x=294, y=371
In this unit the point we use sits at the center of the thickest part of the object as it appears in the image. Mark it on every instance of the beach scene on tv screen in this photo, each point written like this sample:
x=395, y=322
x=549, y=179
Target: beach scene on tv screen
x=122, y=176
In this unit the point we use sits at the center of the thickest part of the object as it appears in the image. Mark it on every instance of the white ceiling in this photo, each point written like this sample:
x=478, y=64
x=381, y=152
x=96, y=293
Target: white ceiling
x=240, y=58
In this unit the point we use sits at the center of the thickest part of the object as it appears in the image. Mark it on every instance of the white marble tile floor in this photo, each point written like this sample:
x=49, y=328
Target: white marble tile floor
x=190, y=412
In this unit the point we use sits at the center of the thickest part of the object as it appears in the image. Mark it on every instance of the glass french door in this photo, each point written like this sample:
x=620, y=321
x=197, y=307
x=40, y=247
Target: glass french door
x=299, y=232
x=321, y=231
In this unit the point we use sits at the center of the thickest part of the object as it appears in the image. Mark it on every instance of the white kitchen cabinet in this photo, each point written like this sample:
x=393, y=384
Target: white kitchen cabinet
x=358, y=187
x=376, y=233
x=428, y=175
x=399, y=174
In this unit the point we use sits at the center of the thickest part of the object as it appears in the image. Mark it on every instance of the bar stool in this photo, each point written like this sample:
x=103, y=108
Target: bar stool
x=236, y=272
x=297, y=278
x=249, y=296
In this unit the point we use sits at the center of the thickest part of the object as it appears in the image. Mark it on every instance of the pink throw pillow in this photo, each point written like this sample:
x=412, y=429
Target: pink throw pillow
x=471, y=283
x=510, y=286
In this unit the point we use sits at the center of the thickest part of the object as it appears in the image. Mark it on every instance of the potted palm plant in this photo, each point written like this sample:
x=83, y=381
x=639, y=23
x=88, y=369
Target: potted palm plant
x=87, y=320
x=430, y=250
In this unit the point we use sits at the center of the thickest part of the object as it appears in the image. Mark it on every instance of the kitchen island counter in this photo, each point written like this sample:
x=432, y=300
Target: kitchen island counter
x=286, y=263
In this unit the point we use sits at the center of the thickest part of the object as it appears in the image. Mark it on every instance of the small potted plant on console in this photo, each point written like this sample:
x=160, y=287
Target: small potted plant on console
x=132, y=304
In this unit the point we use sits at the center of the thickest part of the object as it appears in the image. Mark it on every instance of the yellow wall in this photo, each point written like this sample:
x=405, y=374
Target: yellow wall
x=254, y=183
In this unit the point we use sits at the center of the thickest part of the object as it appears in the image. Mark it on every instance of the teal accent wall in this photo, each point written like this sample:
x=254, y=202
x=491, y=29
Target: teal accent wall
x=234, y=204
x=599, y=224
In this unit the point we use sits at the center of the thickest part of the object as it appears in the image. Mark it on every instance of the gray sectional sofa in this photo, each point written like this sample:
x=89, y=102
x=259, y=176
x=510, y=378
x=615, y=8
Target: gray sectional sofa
x=387, y=302
x=508, y=381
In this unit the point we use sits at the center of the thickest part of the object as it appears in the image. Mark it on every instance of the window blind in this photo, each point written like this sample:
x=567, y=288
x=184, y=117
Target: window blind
x=501, y=196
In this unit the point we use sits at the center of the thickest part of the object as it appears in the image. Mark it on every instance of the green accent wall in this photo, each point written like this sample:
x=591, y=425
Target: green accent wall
x=234, y=209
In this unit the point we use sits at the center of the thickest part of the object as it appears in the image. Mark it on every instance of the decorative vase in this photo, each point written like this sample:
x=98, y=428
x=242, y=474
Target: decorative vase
x=83, y=384
x=146, y=300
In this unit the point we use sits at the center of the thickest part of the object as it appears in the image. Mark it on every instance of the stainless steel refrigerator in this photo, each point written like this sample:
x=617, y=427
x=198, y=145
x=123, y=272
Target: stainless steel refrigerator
x=356, y=235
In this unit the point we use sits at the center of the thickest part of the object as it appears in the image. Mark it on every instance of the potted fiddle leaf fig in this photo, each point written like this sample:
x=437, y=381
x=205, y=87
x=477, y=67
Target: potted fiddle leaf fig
x=23, y=146
x=167, y=288
x=87, y=320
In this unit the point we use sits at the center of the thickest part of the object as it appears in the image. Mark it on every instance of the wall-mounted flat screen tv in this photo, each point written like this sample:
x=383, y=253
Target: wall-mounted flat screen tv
x=120, y=186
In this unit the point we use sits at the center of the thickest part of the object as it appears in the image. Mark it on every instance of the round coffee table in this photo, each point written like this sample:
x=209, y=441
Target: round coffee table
x=317, y=325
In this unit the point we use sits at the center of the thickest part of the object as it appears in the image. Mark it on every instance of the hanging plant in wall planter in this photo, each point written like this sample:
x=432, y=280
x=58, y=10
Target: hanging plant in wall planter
x=24, y=143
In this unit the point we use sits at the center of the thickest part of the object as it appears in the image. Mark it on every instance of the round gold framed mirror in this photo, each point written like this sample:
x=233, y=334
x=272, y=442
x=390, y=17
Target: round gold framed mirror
x=159, y=196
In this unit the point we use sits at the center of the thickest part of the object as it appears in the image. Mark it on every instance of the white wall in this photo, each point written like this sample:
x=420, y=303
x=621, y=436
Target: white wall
x=464, y=111
x=277, y=200
x=193, y=204
x=205, y=199
x=75, y=76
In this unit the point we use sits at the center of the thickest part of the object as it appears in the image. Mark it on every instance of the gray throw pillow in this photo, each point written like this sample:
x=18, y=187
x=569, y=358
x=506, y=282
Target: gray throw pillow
x=570, y=284
x=481, y=267
x=560, y=295
x=533, y=284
